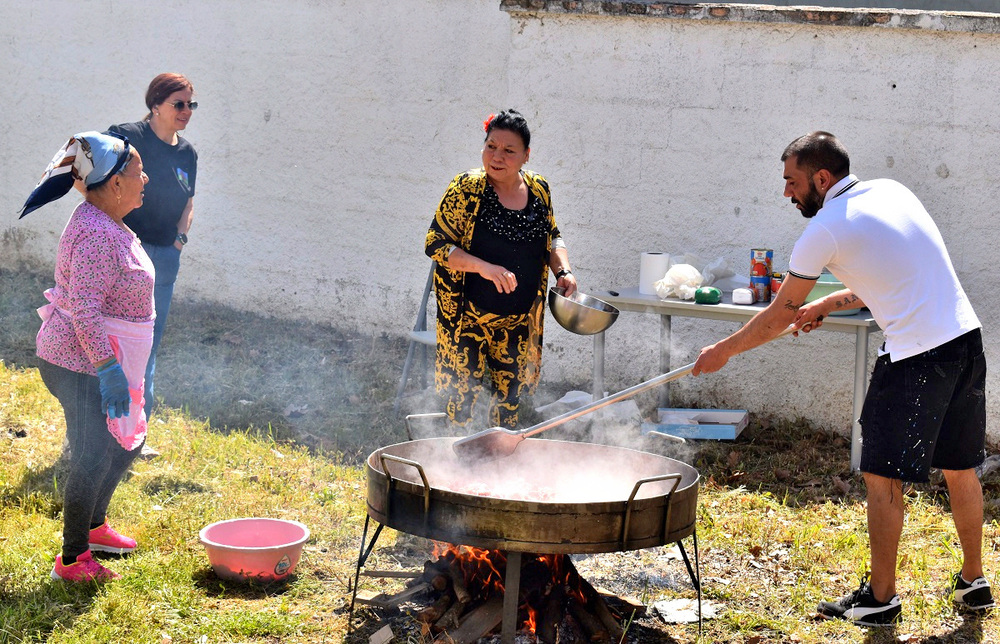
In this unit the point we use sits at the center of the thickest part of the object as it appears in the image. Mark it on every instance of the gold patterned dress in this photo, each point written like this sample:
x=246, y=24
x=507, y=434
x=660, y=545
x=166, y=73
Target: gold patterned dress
x=474, y=343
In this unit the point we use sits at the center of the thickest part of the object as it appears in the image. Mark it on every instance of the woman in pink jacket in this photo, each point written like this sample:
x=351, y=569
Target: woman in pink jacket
x=95, y=339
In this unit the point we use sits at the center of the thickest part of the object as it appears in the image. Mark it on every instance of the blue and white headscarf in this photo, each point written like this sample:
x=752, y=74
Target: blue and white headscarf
x=91, y=157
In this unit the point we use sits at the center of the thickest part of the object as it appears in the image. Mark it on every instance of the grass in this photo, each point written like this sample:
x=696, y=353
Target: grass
x=167, y=587
x=781, y=518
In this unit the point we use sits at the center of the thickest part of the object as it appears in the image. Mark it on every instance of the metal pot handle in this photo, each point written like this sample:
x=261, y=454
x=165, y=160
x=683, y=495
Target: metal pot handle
x=675, y=477
x=388, y=488
x=429, y=416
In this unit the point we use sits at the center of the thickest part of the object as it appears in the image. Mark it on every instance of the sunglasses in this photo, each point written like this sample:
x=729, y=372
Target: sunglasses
x=179, y=105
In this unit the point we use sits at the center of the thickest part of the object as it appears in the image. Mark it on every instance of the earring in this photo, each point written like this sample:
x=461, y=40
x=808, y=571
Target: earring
x=119, y=198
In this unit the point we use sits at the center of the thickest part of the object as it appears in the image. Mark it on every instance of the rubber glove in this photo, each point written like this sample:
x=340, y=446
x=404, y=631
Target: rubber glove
x=115, y=397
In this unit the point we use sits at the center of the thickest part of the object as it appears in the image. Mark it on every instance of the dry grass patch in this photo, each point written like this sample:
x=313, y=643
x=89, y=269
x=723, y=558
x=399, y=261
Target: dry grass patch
x=272, y=418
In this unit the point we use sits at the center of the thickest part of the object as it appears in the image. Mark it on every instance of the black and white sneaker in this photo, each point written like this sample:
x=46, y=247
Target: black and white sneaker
x=972, y=596
x=861, y=608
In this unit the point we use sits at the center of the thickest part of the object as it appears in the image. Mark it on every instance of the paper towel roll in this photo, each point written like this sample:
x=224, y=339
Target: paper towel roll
x=652, y=268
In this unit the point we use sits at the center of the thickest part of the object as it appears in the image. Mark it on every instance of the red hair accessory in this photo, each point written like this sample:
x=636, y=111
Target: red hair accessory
x=486, y=123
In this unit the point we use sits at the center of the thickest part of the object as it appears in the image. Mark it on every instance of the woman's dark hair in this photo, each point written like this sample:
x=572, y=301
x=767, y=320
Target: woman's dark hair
x=161, y=87
x=512, y=121
x=819, y=151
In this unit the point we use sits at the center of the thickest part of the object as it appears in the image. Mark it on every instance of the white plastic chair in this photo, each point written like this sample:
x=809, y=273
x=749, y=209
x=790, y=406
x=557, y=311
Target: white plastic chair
x=422, y=336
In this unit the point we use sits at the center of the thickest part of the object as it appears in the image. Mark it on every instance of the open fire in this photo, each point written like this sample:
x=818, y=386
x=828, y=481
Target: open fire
x=554, y=602
x=622, y=500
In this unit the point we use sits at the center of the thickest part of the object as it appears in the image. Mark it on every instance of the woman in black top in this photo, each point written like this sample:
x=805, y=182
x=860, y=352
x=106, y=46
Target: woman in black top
x=163, y=221
x=495, y=240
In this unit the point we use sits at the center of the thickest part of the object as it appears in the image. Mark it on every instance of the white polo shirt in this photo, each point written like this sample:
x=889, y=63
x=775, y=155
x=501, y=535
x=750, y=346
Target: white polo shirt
x=877, y=238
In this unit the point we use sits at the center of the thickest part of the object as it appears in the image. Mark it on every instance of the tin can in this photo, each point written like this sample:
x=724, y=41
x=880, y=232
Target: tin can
x=760, y=273
x=776, y=279
x=761, y=287
x=760, y=262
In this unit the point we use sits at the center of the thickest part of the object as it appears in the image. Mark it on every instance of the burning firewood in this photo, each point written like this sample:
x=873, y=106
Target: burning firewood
x=458, y=582
x=570, y=631
x=599, y=607
x=432, y=569
x=591, y=626
x=435, y=611
x=476, y=623
x=465, y=585
x=551, y=614
x=450, y=618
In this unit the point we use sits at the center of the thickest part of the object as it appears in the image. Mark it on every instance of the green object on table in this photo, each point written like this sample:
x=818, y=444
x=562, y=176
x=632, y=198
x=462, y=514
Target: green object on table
x=707, y=295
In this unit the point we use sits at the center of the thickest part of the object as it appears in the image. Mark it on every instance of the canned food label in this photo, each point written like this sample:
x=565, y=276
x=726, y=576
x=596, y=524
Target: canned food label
x=760, y=262
x=761, y=287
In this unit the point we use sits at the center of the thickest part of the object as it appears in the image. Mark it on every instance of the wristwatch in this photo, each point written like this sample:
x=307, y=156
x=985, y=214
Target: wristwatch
x=563, y=271
x=182, y=238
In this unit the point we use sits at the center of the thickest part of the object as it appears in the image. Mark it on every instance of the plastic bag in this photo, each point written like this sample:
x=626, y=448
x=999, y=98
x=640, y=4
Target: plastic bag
x=681, y=281
x=712, y=271
x=715, y=271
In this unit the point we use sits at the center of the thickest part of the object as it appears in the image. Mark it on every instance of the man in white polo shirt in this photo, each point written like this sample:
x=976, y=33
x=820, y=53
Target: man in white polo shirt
x=926, y=404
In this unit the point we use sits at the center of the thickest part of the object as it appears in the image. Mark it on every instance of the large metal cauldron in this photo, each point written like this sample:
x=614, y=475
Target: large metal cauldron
x=548, y=497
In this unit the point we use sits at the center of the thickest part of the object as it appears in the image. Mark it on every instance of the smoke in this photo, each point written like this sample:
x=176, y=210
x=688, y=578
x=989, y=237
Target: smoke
x=542, y=470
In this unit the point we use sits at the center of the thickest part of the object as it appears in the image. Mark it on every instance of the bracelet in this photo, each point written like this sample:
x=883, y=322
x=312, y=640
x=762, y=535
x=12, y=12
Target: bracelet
x=562, y=272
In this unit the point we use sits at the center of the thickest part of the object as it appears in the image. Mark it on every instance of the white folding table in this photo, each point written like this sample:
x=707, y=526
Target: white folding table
x=629, y=299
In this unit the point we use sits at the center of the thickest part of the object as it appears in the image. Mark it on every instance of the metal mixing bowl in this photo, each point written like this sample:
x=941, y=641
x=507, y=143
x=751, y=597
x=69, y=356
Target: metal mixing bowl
x=581, y=313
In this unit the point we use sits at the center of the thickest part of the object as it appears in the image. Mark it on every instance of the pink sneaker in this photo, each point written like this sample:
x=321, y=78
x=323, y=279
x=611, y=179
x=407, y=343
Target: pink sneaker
x=105, y=539
x=85, y=569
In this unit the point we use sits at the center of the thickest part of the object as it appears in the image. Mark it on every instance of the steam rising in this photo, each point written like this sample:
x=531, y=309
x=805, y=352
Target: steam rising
x=604, y=458
x=540, y=470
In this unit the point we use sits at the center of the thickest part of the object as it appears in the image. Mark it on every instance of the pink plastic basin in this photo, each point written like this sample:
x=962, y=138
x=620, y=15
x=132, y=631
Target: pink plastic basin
x=262, y=550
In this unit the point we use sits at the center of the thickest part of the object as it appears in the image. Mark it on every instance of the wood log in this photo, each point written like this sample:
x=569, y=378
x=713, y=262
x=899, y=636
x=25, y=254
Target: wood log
x=431, y=570
x=597, y=606
x=592, y=627
x=536, y=578
x=625, y=605
x=434, y=612
x=570, y=629
x=372, y=598
x=477, y=623
x=393, y=574
x=600, y=608
x=458, y=583
x=393, y=601
x=440, y=582
x=551, y=613
x=450, y=618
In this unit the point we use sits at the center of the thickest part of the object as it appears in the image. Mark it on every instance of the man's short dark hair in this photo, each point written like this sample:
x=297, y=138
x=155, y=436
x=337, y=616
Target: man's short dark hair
x=819, y=151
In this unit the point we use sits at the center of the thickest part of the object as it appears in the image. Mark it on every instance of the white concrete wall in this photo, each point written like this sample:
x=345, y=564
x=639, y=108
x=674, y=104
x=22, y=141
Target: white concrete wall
x=665, y=135
x=329, y=130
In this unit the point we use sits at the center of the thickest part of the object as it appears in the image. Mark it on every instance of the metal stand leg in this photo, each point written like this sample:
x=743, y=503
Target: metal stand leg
x=598, y=388
x=665, y=357
x=511, y=592
x=362, y=558
x=695, y=572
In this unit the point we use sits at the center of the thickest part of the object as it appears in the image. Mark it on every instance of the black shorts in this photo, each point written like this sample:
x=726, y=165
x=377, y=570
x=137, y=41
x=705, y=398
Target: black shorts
x=926, y=411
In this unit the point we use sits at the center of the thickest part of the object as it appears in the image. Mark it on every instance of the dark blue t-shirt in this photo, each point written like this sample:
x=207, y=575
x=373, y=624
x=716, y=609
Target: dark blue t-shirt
x=172, y=170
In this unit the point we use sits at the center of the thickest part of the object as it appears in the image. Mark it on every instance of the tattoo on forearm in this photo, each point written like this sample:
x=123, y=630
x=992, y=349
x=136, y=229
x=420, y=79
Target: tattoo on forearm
x=789, y=306
x=847, y=301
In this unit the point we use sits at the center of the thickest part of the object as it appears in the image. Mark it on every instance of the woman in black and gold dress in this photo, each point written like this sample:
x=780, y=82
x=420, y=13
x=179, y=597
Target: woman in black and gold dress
x=494, y=238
